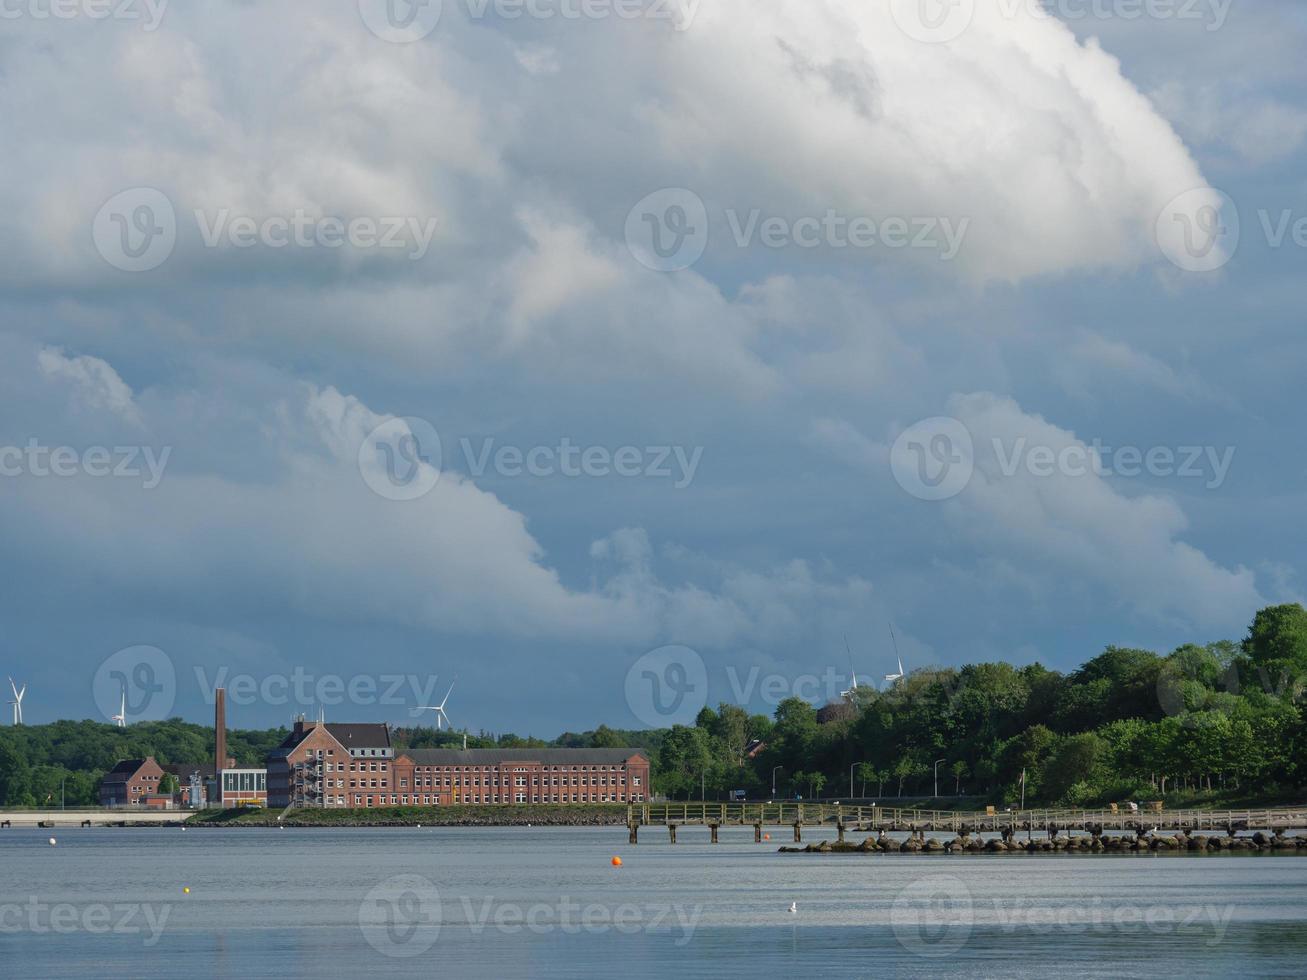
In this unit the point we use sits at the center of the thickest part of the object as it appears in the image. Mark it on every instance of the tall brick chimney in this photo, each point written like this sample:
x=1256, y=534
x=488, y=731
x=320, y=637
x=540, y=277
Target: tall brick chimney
x=220, y=729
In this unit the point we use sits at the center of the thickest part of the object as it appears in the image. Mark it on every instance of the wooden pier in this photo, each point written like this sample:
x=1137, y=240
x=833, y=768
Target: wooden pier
x=873, y=819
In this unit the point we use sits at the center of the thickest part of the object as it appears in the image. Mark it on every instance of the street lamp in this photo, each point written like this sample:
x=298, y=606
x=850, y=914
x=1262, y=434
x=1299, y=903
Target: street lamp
x=937, y=777
x=773, y=781
x=851, y=768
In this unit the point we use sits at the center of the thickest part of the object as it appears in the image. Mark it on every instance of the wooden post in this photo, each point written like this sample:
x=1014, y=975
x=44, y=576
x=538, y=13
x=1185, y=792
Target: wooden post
x=671, y=830
x=635, y=832
x=757, y=833
x=839, y=829
x=798, y=831
x=712, y=828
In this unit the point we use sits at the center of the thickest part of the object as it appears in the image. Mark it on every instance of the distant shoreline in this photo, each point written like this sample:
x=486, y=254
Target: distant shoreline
x=537, y=815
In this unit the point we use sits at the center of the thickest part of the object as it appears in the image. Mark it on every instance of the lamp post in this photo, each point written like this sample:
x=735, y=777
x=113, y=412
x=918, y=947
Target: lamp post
x=703, y=778
x=773, y=781
x=937, y=777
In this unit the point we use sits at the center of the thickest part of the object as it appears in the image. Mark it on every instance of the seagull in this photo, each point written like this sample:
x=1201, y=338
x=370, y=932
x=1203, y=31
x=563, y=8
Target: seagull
x=794, y=906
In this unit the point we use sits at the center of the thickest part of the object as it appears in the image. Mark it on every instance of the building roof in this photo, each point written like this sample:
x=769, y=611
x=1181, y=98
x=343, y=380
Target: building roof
x=350, y=736
x=183, y=770
x=549, y=757
x=365, y=736
x=127, y=767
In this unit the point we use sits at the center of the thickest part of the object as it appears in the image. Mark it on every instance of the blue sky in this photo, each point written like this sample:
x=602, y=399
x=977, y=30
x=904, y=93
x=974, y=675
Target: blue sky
x=753, y=407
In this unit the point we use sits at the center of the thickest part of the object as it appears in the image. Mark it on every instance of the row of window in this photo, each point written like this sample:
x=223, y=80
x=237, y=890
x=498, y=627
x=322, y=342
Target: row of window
x=419, y=799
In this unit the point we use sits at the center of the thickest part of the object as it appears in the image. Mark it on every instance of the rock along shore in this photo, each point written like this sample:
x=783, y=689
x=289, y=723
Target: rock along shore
x=1095, y=842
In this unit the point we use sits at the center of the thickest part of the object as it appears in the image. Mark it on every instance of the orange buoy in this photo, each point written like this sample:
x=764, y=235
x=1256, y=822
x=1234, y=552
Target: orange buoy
x=617, y=862
x=766, y=836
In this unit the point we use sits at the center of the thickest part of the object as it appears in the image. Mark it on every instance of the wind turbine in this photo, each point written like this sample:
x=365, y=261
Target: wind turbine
x=895, y=678
x=852, y=692
x=120, y=719
x=17, y=702
x=441, y=718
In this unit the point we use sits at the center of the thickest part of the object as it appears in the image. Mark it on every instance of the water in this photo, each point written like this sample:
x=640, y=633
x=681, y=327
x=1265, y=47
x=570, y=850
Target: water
x=547, y=903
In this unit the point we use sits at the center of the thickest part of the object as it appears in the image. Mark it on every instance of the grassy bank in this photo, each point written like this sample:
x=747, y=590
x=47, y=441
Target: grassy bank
x=589, y=815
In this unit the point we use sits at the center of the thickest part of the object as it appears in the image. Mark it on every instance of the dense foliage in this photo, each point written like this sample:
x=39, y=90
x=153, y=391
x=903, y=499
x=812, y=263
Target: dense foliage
x=44, y=765
x=1129, y=724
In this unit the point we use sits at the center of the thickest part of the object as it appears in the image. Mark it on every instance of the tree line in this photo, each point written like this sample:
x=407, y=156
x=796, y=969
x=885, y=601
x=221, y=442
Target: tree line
x=63, y=763
x=1128, y=724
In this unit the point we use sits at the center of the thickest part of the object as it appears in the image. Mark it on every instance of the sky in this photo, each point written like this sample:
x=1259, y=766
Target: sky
x=605, y=360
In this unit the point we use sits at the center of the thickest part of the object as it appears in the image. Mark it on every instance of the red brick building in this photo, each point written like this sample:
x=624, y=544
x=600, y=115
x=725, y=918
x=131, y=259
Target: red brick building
x=356, y=766
x=130, y=782
x=439, y=777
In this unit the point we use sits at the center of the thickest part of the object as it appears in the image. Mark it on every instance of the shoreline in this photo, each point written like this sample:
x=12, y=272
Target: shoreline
x=531, y=815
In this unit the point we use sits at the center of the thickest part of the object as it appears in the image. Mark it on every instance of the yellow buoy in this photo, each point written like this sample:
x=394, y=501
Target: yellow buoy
x=617, y=862
x=186, y=890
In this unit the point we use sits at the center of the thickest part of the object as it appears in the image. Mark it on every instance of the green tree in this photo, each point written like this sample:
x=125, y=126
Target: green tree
x=866, y=774
x=959, y=770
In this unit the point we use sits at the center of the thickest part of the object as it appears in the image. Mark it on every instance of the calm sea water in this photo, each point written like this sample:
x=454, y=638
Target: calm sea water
x=548, y=903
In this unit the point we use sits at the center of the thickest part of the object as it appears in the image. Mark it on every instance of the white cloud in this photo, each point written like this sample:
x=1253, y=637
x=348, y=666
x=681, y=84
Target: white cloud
x=1082, y=527
x=95, y=384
